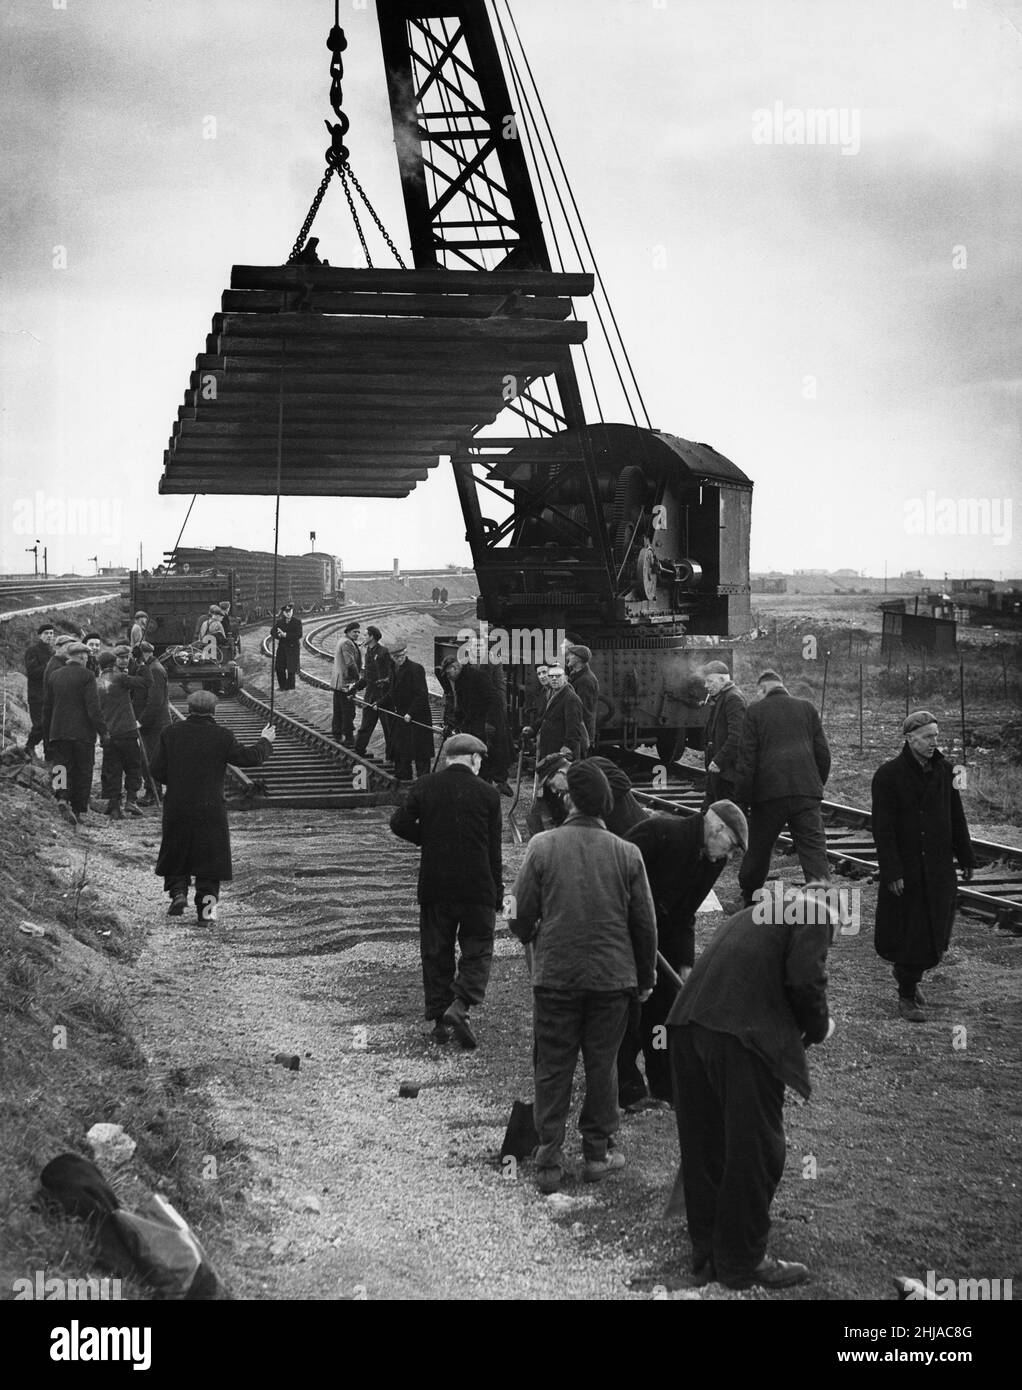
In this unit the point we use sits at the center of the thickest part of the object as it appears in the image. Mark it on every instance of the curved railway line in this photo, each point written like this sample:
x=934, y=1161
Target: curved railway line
x=310, y=770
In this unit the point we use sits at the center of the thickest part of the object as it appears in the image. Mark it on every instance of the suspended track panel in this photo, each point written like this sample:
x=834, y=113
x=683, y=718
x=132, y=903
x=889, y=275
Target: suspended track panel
x=369, y=376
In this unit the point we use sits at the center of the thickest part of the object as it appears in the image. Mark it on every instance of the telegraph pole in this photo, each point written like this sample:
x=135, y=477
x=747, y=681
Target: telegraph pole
x=33, y=550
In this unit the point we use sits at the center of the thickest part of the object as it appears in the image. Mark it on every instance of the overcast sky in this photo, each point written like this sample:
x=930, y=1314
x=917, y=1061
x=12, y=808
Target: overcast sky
x=840, y=319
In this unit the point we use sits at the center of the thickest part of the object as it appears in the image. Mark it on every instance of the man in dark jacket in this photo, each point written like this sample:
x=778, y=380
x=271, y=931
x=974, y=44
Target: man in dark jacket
x=122, y=760
x=783, y=764
x=412, y=736
x=72, y=720
x=377, y=680
x=478, y=710
x=37, y=657
x=192, y=760
x=725, y=720
x=683, y=856
x=738, y=1031
x=582, y=900
x=561, y=727
x=585, y=685
x=456, y=818
x=920, y=830
x=288, y=659
x=152, y=710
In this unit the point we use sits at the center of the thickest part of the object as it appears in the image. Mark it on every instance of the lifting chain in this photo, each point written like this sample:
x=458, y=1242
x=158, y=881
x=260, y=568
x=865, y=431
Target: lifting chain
x=337, y=159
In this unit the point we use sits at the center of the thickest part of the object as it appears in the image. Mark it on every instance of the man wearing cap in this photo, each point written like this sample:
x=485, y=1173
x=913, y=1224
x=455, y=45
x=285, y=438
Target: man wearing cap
x=478, y=708
x=626, y=811
x=37, y=658
x=139, y=628
x=582, y=900
x=561, y=727
x=95, y=644
x=584, y=683
x=122, y=761
x=783, y=765
x=346, y=676
x=683, y=856
x=72, y=719
x=411, y=739
x=152, y=710
x=55, y=663
x=725, y=720
x=919, y=829
x=455, y=818
x=548, y=808
x=377, y=681
x=192, y=760
x=738, y=1031
x=287, y=662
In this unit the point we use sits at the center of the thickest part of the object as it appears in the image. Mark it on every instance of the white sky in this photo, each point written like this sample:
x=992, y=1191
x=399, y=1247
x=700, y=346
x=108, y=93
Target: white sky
x=738, y=269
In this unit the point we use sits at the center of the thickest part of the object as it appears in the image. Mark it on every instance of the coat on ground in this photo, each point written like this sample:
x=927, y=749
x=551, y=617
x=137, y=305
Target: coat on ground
x=920, y=830
x=783, y=750
x=456, y=819
x=192, y=759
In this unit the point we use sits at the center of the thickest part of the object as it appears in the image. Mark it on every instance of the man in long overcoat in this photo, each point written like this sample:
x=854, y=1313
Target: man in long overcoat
x=920, y=830
x=478, y=710
x=192, y=759
x=412, y=737
x=456, y=819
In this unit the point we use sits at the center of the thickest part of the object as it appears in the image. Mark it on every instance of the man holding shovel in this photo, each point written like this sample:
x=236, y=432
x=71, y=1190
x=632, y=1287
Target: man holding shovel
x=583, y=901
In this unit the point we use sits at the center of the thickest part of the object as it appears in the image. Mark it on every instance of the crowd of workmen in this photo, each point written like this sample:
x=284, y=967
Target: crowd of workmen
x=605, y=900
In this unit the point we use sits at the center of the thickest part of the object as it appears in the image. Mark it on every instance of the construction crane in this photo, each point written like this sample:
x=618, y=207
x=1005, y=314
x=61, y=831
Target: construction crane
x=628, y=539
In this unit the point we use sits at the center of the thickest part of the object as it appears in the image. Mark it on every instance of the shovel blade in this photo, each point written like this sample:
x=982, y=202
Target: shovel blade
x=520, y=1137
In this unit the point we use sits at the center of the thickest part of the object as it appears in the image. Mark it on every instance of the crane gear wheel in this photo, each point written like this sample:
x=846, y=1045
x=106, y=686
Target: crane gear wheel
x=626, y=510
x=646, y=573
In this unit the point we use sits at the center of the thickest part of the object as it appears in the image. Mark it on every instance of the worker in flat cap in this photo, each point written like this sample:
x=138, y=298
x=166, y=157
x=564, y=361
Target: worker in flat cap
x=920, y=830
x=683, y=856
x=725, y=719
x=72, y=720
x=139, y=628
x=347, y=677
x=122, y=757
x=37, y=658
x=561, y=727
x=411, y=738
x=548, y=808
x=583, y=901
x=192, y=761
x=583, y=681
x=152, y=710
x=455, y=819
x=783, y=765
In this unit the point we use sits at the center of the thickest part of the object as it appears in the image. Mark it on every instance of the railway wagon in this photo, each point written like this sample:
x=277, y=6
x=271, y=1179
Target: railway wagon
x=309, y=581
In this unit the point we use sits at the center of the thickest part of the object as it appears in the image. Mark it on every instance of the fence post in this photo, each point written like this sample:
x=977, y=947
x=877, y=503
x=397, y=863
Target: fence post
x=906, y=691
x=860, y=707
x=961, y=696
x=823, y=697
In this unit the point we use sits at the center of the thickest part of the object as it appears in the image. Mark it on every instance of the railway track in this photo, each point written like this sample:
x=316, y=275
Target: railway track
x=994, y=894
x=308, y=770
